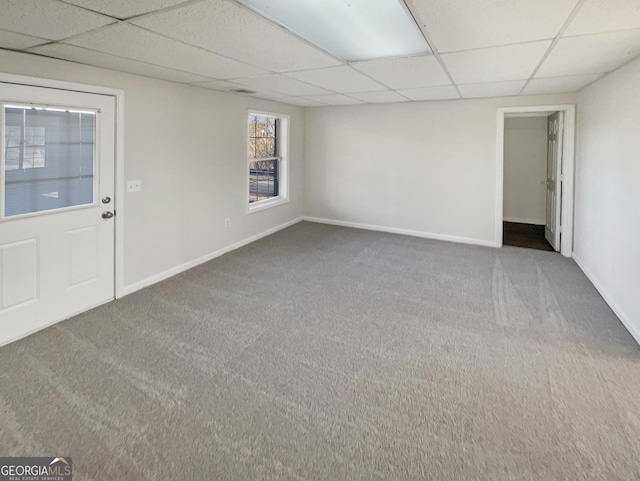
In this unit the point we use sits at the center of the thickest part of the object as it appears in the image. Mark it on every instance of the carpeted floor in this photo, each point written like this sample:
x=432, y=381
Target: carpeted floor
x=326, y=353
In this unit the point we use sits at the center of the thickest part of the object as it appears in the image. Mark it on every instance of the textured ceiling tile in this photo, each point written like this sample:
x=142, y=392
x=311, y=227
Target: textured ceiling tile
x=512, y=62
x=597, y=16
x=494, y=89
x=431, y=93
x=303, y=102
x=559, y=84
x=471, y=24
x=334, y=99
x=18, y=41
x=404, y=73
x=587, y=54
x=139, y=44
x=227, y=86
x=218, y=85
x=269, y=95
x=234, y=31
x=124, y=8
x=282, y=84
x=342, y=79
x=104, y=60
x=385, y=96
x=47, y=18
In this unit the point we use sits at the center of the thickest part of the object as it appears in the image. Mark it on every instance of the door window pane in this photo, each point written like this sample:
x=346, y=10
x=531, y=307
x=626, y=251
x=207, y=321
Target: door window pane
x=49, y=159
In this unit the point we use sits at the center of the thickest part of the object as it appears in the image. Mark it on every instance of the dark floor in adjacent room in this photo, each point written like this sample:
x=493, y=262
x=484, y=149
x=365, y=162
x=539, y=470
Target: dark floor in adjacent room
x=327, y=353
x=530, y=236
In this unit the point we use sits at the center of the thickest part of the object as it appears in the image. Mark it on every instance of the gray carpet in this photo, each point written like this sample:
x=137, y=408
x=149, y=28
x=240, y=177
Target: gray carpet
x=326, y=353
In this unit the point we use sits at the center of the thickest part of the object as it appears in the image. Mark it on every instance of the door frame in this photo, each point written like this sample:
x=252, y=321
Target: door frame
x=119, y=160
x=568, y=169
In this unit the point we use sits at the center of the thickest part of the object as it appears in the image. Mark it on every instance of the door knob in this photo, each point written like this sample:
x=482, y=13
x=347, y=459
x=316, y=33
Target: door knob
x=107, y=215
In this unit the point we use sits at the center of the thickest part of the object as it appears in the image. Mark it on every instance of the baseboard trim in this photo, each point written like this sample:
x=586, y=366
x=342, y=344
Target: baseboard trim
x=395, y=230
x=131, y=288
x=618, y=311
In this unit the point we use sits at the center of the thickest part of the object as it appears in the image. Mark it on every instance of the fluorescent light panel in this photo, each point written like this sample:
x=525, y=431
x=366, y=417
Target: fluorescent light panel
x=353, y=30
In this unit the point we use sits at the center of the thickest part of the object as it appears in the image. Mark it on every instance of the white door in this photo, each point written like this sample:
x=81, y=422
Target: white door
x=56, y=205
x=553, y=182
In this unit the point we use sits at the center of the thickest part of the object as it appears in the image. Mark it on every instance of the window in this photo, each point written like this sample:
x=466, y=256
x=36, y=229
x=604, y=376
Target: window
x=48, y=159
x=267, y=159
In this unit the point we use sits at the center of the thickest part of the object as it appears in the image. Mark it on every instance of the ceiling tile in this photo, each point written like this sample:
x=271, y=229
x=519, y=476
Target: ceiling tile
x=587, y=54
x=227, y=86
x=338, y=79
x=471, y=24
x=18, y=41
x=218, y=85
x=282, y=84
x=334, y=99
x=139, y=44
x=597, y=16
x=431, y=93
x=404, y=73
x=303, y=102
x=269, y=95
x=124, y=8
x=235, y=31
x=48, y=18
x=492, y=89
x=385, y=96
x=511, y=62
x=559, y=84
x=104, y=60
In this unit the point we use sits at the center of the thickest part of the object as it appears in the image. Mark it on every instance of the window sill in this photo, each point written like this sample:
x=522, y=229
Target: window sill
x=265, y=204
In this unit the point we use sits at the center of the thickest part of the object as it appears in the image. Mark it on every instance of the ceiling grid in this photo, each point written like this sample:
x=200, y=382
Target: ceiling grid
x=474, y=48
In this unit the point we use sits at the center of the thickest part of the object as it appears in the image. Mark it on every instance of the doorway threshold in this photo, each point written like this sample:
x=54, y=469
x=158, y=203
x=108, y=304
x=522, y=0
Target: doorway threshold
x=530, y=236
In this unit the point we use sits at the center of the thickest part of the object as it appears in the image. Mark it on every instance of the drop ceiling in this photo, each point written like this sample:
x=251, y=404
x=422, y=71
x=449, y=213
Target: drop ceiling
x=480, y=48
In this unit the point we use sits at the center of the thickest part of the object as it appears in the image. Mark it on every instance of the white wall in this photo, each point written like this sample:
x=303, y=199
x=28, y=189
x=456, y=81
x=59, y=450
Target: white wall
x=525, y=167
x=607, y=217
x=427, y=168
x=188, y=147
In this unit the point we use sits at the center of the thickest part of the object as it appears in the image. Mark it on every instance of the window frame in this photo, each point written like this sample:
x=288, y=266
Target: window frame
x=282, y=149
x=4, y=217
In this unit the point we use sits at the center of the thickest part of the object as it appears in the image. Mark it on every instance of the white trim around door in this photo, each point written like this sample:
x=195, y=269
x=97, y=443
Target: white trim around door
x=568, y=169
x=119, y=154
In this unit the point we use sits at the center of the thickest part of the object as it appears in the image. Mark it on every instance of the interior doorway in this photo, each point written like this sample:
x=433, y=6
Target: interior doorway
x=534, y=201
x=529, y=204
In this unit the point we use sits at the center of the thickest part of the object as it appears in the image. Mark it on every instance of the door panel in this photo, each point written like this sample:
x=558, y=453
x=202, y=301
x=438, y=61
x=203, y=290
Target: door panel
x=57, y=161
x=20, y=272
x=83, y=255
x=553, y=182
